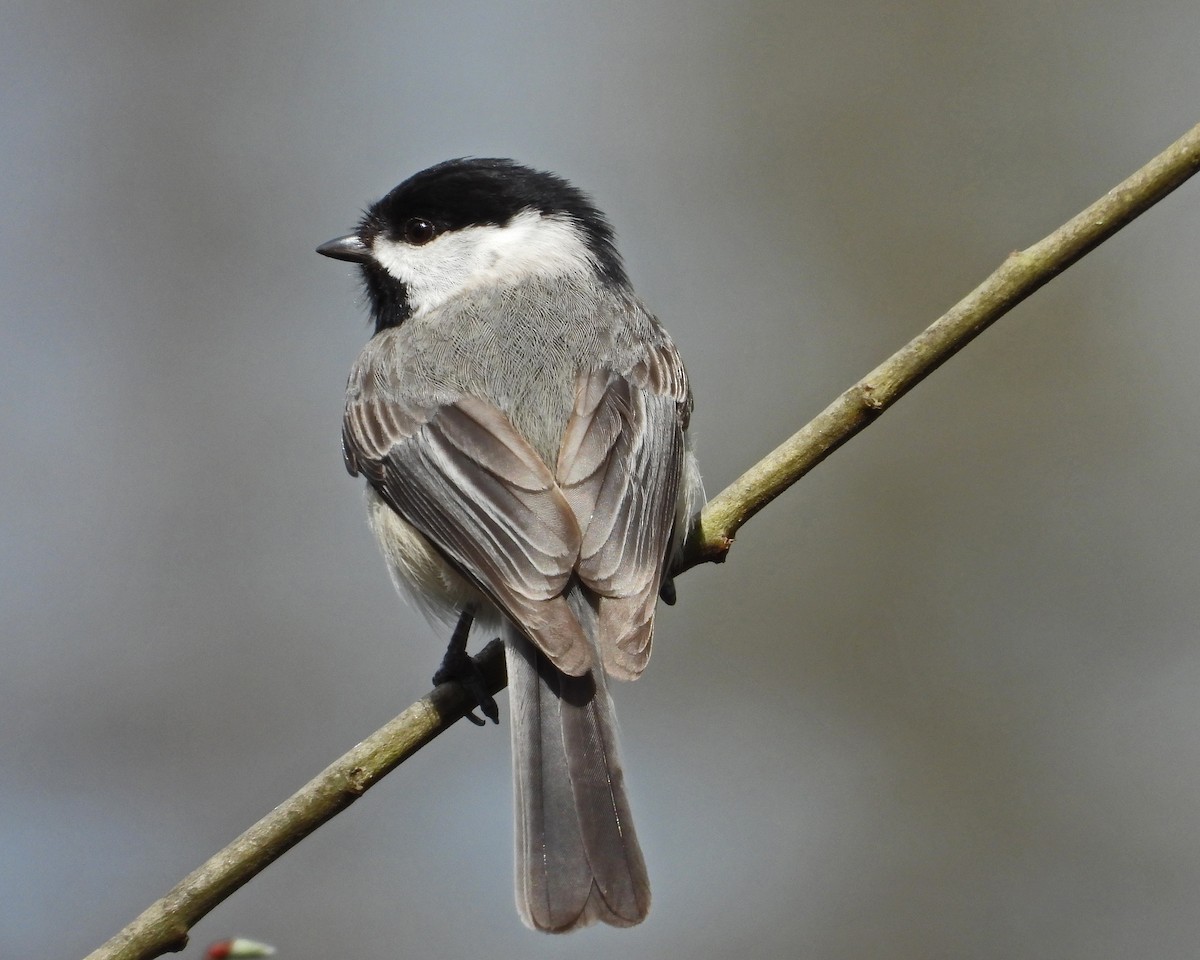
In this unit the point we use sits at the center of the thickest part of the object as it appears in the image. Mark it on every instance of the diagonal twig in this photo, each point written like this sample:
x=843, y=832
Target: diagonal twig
x=164, y=926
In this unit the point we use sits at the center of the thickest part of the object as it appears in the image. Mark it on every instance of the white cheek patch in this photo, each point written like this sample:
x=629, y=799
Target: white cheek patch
x=530, y=244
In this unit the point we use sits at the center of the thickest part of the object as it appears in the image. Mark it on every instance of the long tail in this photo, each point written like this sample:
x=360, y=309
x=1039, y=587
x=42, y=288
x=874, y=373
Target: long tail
x=578, y=859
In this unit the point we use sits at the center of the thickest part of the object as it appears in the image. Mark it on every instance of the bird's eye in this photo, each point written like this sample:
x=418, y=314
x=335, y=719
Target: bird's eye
x=419, y=231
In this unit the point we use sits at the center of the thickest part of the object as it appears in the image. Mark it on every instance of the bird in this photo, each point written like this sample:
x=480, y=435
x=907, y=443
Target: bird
x=522, y=424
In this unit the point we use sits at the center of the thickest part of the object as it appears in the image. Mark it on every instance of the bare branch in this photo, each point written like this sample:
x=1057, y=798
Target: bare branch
x=164, y=926
x=1021, y=274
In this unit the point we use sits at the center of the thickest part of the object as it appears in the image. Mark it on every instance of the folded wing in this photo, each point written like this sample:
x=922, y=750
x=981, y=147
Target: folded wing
x=619, y=467
x=464, y=477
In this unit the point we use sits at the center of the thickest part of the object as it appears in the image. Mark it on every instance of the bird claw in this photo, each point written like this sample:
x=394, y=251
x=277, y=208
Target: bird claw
x=459, y=667
x=666, y=591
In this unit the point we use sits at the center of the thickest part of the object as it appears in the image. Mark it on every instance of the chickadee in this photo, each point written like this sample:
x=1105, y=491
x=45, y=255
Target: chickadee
x=521, y=422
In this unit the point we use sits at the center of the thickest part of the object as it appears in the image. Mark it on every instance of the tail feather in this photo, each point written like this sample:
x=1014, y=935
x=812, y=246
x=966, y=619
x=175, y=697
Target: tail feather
x=578, y=859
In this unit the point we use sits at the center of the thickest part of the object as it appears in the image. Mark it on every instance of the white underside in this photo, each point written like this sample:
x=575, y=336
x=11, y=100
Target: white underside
x=419, y=572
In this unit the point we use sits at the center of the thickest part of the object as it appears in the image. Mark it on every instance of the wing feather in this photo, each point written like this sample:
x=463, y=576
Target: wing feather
x=465, y=478
x=620, y=467
x=463, y=475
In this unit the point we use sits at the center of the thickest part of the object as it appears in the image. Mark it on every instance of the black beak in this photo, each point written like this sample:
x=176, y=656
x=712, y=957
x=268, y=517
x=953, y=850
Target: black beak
x=349, y=247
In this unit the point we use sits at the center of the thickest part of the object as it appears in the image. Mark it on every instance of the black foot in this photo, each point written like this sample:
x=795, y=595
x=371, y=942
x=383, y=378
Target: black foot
x=666, y=591
x=459, y=667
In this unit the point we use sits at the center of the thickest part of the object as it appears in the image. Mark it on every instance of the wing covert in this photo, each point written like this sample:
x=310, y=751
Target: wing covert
x=465, y=478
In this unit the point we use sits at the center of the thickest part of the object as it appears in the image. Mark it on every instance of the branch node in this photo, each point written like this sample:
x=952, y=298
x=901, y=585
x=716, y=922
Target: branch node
x=868, y=394
x=175, y=937
x=357, y=781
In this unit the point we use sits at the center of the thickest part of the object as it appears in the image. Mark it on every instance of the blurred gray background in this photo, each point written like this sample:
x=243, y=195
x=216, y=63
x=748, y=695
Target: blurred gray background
x=942, y=699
